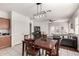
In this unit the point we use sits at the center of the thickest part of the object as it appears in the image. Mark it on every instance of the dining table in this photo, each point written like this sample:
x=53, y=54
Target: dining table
x=47, y=45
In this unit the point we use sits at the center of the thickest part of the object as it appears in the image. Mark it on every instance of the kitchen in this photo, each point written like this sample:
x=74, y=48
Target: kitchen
x=5, y=40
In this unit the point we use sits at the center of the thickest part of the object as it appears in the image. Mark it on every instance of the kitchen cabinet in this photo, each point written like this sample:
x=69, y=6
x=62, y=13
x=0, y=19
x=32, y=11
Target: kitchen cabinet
x=4, y=23
x=5, y=41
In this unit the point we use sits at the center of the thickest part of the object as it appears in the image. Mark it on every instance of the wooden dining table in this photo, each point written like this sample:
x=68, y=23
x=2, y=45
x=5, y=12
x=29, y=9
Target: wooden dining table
x=46, y=45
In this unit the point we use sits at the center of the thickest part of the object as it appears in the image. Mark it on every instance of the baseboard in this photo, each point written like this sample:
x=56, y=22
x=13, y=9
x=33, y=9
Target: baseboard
x=16, y=44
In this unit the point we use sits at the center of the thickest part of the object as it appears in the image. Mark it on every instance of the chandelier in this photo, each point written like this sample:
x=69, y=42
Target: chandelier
x=39, y=13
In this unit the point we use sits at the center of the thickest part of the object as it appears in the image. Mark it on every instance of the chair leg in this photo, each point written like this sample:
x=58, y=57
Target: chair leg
x=26, y=50
x=22, y=48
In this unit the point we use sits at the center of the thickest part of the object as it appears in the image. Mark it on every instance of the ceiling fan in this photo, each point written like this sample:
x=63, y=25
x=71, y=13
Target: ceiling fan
x=46, y=11
x=50, y=21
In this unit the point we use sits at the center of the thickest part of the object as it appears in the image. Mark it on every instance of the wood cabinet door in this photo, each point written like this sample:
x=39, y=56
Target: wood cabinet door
x=4, y=24
x=5, y=42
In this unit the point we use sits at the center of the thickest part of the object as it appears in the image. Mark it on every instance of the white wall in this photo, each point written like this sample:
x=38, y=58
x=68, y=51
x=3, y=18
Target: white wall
x=59, y=25
x=4, y=14
x=27, y=20
x=27, y=25
x=19, y=27
x=43, y=25
x=74, y=17
x=77, y=13
x=72, y=20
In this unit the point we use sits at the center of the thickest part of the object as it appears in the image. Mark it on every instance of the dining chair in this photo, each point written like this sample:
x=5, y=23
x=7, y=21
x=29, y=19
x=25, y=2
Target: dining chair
x=44, y=37
x=31, y=49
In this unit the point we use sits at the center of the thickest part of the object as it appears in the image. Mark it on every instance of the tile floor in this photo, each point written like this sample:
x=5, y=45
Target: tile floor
x=17, y=51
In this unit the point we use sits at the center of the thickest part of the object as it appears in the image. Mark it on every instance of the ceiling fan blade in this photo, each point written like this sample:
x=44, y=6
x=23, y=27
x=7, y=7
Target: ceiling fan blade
x=49, y=10
x=52, y=20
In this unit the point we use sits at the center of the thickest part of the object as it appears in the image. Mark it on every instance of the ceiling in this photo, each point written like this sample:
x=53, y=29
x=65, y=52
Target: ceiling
x=59, y=11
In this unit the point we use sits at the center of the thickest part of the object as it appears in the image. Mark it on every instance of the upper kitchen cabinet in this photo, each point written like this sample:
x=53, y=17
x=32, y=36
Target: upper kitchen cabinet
x=4, y=20
x=4, y=23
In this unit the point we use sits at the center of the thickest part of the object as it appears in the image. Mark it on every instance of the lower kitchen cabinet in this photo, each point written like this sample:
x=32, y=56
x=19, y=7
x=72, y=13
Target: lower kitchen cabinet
x=5, y=41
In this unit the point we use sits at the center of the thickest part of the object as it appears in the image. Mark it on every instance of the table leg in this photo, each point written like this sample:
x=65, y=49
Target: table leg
x=22, y=48
x=57, y=49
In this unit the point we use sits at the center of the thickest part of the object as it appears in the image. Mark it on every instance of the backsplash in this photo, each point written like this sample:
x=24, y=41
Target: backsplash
x=2, y=31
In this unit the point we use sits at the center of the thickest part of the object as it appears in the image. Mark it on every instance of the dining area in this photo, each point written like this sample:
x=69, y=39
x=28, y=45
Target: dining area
x=39, y=29
x=42, y=46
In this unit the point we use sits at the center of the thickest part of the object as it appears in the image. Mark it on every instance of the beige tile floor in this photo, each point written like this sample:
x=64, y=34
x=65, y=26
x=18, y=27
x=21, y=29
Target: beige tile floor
x=17, y=51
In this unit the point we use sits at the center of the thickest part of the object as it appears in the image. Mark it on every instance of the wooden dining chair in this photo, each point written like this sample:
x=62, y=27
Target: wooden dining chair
x=44, y=37
x=26, y=37
x=31, y=49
